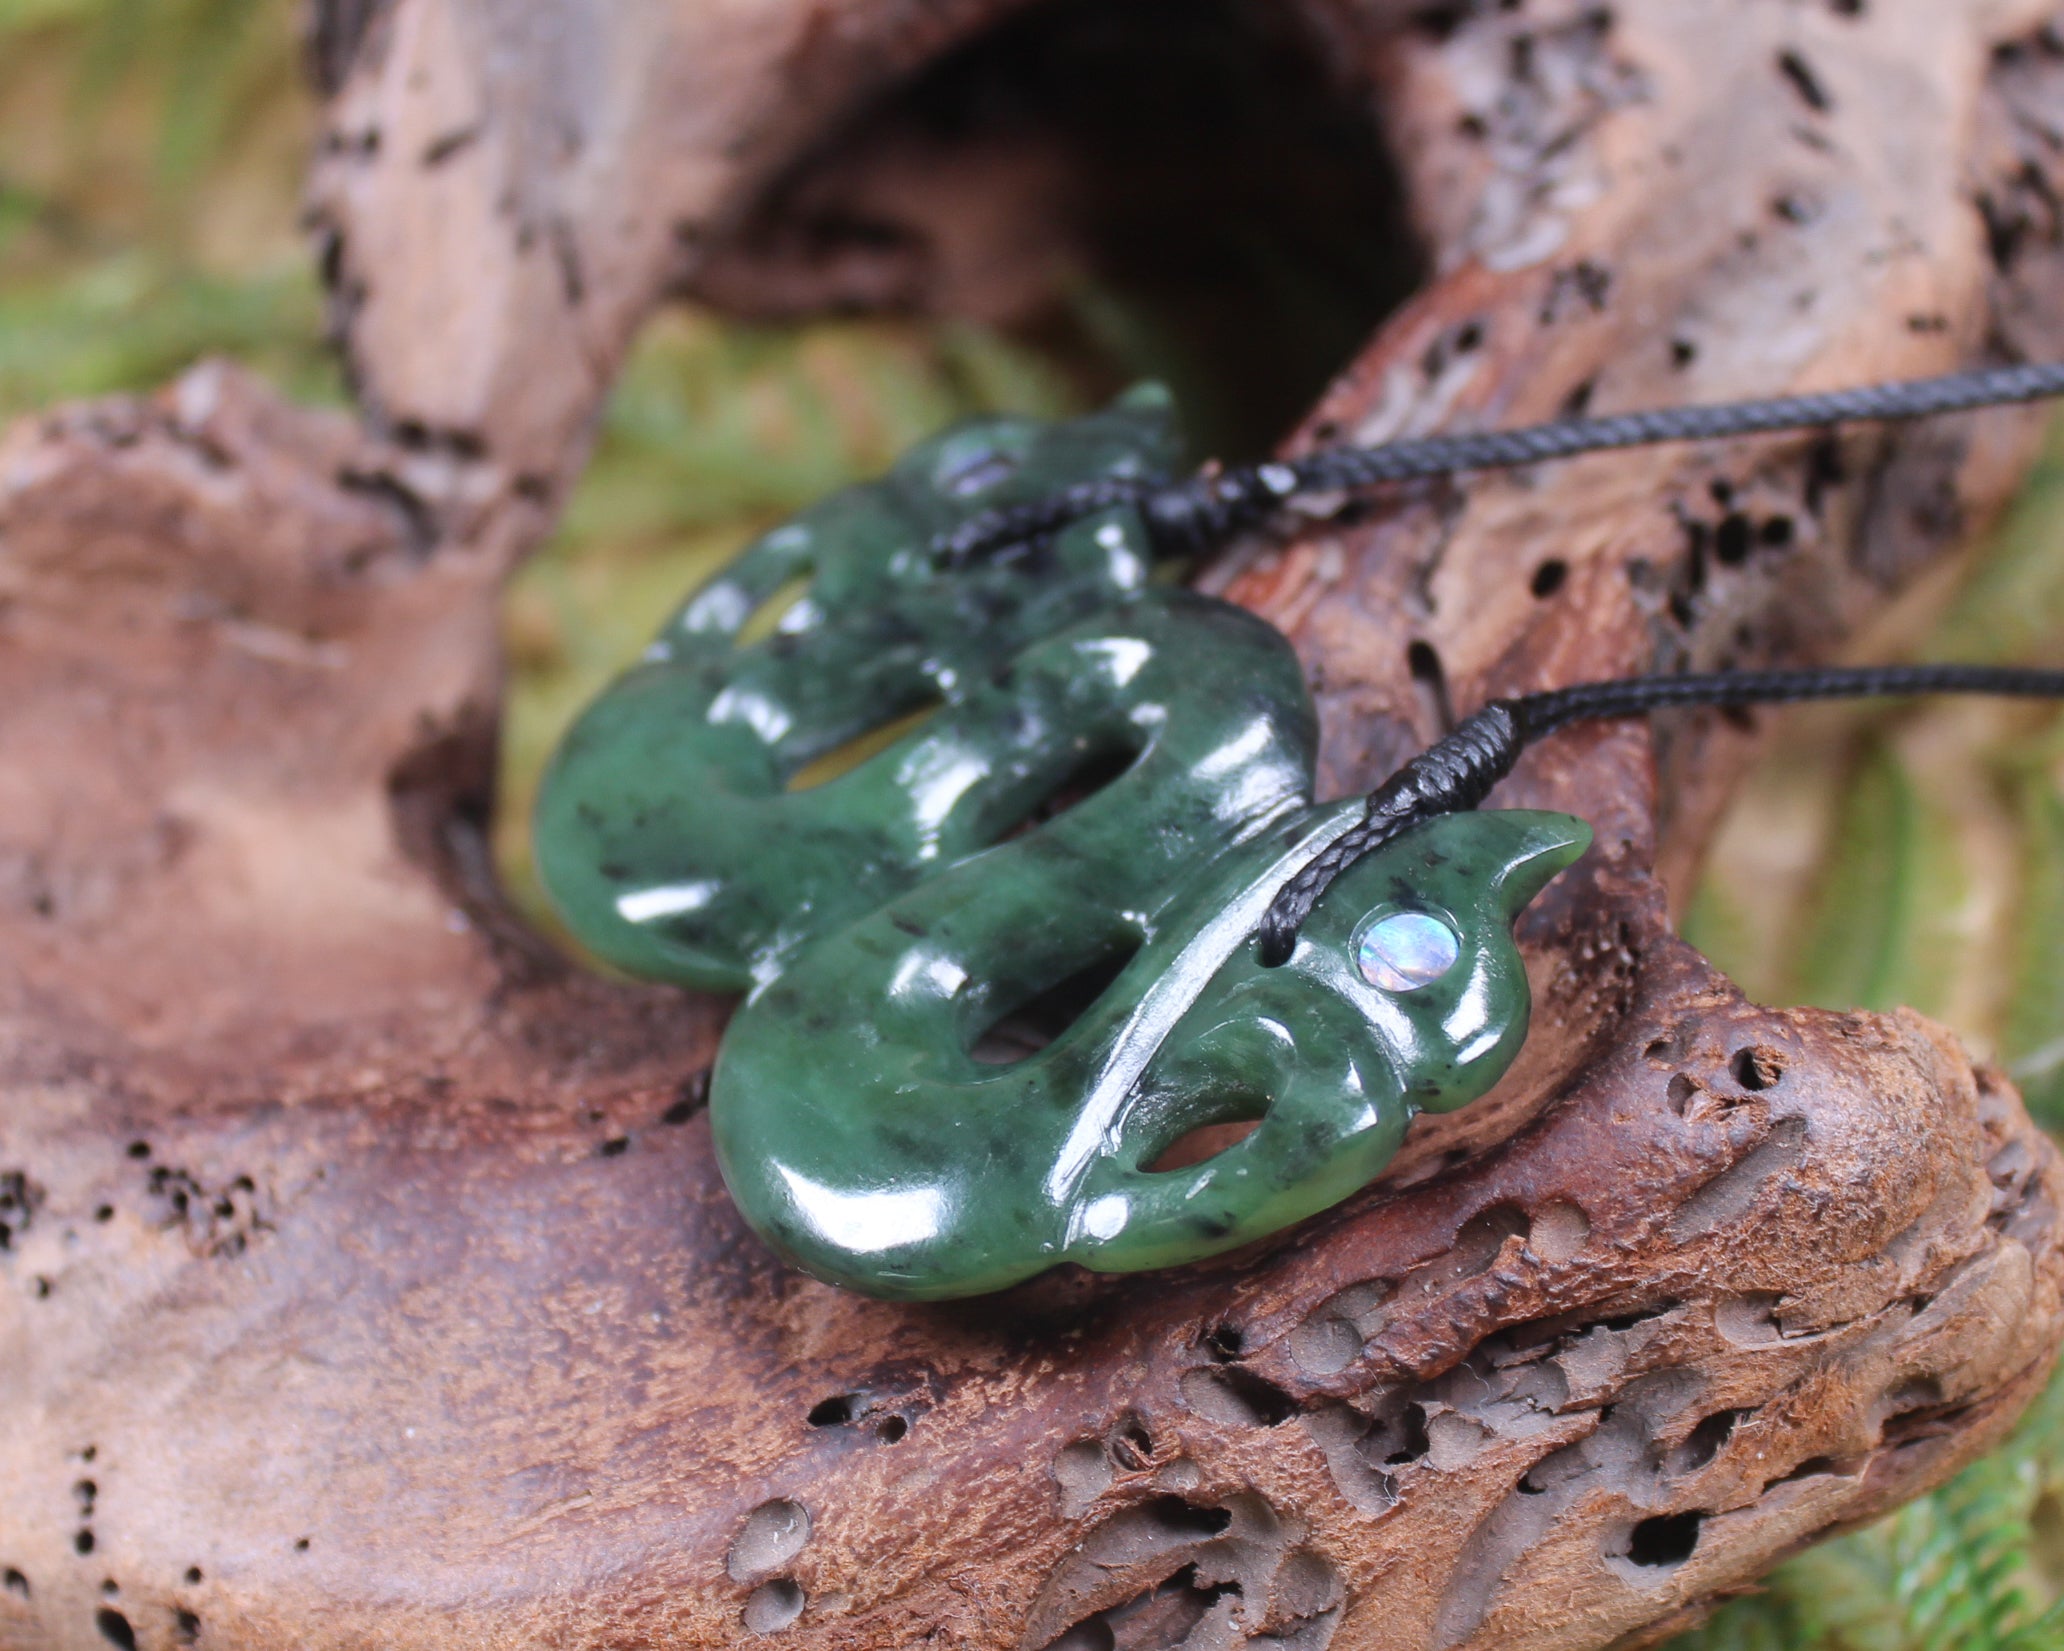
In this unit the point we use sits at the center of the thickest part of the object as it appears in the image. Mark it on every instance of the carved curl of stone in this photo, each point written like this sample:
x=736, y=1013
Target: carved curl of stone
x=364, y=1275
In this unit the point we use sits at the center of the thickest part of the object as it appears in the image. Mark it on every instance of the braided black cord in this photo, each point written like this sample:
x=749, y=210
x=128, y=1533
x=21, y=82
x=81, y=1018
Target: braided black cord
x=1192, y=515
x=1452, y=774
x=1543, y=713
x=1350, y=467
x=997, y=530
x=1458, y=772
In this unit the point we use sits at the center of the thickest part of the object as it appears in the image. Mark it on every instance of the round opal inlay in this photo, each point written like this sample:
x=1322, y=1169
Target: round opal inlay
x=1407, y=950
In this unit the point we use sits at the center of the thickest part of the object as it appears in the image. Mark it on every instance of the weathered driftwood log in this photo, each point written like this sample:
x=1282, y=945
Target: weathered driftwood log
x=364, y=1275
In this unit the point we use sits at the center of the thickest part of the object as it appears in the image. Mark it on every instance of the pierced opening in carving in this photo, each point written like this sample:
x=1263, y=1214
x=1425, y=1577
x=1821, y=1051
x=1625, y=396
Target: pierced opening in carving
x=15, y=1582
x=836, y=1411
x=1207, y=1141
x=1225, y=1341
x=843, y=759
x=1029, y=1027
x=1680, y=1093
x=766, y=619
x=193, y=1575
x=82, y=1543
x=186, y=1627
x=892, y=1429
x=1091, y=772
x=1549, y=577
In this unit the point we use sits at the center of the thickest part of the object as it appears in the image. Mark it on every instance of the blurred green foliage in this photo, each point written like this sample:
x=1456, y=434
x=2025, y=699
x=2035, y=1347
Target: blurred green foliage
x=150, y=156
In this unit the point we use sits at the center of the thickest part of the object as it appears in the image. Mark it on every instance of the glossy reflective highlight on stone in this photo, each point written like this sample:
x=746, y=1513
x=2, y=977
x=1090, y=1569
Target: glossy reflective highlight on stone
x=1113, y=780
x=1407, y=950
x=667, y=835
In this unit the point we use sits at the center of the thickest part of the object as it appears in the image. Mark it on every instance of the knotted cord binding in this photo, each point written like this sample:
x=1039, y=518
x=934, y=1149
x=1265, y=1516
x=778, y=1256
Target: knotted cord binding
x=1457, y=772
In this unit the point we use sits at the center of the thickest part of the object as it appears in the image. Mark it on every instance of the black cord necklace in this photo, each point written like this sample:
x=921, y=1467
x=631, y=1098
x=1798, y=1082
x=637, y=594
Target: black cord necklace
x=1201, y=513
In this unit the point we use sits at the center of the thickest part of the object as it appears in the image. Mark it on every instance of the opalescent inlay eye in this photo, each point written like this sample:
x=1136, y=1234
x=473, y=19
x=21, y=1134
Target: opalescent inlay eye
x=1407, y=950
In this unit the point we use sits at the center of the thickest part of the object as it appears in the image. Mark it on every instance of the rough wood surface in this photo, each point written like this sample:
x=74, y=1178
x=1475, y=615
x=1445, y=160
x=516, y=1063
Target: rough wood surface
x=364, y=1276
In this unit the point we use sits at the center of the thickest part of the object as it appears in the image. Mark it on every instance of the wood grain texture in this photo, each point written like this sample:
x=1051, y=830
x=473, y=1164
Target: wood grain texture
x=366, y=1278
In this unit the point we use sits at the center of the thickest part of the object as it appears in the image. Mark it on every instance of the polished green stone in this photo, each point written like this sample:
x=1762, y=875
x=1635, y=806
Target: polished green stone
x=1114, y=781
x=666, y=833
x=863, y=1139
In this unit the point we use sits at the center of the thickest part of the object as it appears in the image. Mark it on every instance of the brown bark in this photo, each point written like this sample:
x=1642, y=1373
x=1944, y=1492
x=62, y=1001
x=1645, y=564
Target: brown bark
x=366, y=1276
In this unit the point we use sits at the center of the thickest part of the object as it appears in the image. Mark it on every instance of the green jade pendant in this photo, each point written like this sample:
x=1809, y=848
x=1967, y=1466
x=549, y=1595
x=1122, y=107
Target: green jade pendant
x=885, y=923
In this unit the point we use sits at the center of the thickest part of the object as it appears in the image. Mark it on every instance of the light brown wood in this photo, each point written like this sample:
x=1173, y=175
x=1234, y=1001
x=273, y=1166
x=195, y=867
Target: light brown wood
x=367, y=1280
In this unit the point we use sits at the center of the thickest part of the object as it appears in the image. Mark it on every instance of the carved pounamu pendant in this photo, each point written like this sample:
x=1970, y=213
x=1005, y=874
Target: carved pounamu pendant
x=1113, y=780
